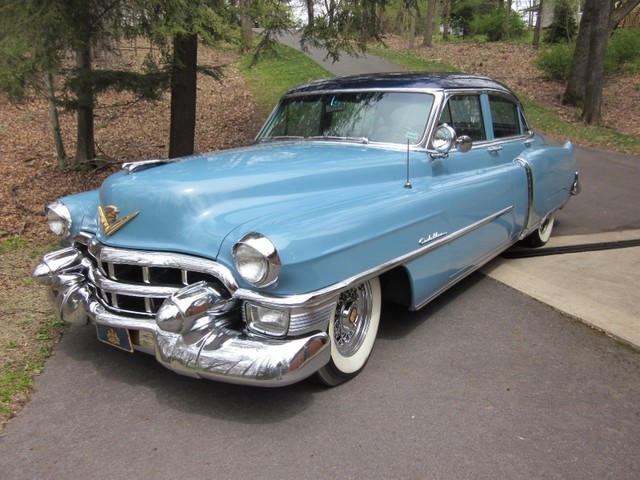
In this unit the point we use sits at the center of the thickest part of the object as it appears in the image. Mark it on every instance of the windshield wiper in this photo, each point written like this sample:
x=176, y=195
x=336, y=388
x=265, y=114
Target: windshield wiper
x=281, y=137
x=364, y=140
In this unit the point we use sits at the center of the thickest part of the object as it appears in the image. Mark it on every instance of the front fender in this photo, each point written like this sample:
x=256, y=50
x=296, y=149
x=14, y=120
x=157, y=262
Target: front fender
x=341, y=240
x=84, y=211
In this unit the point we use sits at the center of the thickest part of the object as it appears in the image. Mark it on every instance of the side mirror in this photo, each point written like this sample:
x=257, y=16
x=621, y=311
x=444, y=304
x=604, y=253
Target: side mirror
x=464, y=143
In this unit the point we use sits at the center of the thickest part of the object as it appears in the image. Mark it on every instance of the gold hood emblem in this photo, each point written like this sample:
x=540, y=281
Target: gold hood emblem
x=109, y=219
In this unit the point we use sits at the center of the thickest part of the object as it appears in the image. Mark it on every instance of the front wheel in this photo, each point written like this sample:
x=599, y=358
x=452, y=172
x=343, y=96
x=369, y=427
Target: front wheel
x=352, y=332
x=541, y=236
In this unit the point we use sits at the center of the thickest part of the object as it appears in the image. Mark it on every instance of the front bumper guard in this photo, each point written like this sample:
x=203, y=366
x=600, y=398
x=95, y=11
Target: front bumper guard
x=576, y=188
x=210, y=349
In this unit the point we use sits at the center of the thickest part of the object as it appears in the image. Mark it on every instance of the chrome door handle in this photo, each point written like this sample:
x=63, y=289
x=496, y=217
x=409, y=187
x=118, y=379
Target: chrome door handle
x=495, y=149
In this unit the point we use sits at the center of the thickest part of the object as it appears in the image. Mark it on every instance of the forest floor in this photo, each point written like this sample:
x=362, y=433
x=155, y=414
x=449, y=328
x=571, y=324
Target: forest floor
x=126, y=130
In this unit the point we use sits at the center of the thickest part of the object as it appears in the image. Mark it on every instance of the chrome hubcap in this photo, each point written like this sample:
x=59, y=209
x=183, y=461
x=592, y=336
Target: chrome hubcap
x=352, y=318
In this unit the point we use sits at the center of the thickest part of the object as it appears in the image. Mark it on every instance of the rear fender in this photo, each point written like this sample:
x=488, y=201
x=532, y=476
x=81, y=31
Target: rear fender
x=551, y=174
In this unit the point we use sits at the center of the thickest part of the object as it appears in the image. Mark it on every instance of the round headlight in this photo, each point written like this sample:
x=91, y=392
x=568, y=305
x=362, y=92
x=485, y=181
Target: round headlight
x=257, y=260
x=59, y=218
x=443, y=138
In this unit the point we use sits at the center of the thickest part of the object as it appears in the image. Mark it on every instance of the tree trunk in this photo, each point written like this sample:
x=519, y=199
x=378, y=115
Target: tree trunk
x=331, y=8
x=595, y=73
x=622, y=10
x=310, y=14
x=506, y=27
x=183, y=95
x=446, y=17
x=429, y=23
x=412, y=27
x=54, y=120
x=85, y=149
x=538, y=27
x=574, y=93
x=246, y=24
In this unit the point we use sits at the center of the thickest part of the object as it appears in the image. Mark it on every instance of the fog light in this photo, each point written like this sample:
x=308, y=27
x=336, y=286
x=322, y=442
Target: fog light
x=267, y=320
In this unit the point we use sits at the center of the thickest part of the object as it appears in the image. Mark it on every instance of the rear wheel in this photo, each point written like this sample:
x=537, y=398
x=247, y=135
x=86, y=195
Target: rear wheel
x=541, y=236
x=352, y=332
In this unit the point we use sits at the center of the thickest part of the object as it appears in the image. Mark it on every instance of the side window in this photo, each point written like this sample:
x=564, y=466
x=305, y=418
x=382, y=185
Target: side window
x=463, y=113
x=505, y=117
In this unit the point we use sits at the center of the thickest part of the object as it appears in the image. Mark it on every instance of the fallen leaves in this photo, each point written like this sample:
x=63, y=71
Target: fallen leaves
x=513, y=65
x=125, y=130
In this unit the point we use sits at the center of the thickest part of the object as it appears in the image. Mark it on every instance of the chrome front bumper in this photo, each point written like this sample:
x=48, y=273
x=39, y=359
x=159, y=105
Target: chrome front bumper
x=208, y=348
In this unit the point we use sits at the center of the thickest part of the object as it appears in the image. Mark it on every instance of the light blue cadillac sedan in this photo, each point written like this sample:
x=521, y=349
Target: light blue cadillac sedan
x=268, y=264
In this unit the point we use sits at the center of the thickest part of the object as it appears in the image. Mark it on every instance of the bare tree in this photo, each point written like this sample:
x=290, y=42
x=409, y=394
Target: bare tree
x=622, y=9
x=310, y=13
x=574, y=92
x=445, y=8
x=54, y=120
x=587, y=68
x=246, y=22
x=600, y=30
x=429, y=24
x=412, y=26
x=538, y=27
x=507, y=19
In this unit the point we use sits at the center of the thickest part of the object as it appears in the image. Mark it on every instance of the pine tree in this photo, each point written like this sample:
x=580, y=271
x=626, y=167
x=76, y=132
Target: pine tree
x=564, y=27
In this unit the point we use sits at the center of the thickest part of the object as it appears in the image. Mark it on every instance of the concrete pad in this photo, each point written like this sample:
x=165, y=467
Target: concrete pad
x=600, y=288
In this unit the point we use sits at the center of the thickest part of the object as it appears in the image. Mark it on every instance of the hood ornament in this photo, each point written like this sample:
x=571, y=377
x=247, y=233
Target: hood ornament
x=109, y=219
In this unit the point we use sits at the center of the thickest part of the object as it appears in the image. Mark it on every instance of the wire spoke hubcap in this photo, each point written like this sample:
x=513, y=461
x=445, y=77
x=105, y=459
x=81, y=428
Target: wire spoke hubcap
x=351, y=322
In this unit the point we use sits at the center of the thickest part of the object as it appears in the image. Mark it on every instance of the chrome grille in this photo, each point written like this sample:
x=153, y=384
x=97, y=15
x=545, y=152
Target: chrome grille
x=137, y=282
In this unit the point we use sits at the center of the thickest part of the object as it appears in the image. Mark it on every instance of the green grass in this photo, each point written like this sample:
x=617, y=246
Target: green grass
x=546, y=121
x=269, y=78
x=541, y=119
x=12, y=243
x=16, y=378
x=28, y=338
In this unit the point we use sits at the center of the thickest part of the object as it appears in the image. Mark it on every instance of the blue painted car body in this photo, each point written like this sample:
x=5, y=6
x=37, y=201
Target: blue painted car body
x=338, y=210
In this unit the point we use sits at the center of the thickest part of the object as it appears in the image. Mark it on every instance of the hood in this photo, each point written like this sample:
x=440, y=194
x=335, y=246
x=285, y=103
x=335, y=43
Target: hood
x=193, y=204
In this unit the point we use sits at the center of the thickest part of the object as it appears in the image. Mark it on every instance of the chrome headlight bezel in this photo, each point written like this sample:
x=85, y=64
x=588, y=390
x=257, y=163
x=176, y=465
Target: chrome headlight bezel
x=59, y=219
x=256, y=260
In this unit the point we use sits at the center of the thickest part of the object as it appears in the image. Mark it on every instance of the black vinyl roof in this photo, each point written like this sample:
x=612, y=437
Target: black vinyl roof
x=386, y=81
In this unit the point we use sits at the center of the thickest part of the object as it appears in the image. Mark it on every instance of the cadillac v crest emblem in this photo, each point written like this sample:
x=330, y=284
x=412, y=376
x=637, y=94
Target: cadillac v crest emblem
x=109, y=219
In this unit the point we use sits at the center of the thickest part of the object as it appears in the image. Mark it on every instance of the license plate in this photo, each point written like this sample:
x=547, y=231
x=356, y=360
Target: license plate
x=115, y=336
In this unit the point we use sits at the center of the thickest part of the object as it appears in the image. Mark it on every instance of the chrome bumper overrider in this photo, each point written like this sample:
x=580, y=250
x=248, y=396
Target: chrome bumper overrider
x=576, y=188
x=207, y=343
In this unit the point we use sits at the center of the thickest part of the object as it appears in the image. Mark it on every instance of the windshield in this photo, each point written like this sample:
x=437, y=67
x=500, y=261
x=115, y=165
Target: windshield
x=390, y=117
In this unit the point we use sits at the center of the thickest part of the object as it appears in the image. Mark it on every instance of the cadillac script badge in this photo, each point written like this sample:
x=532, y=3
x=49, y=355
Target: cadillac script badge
x=109, y=219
